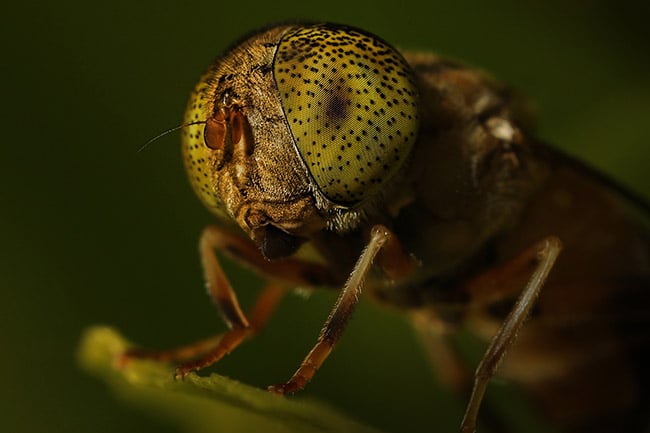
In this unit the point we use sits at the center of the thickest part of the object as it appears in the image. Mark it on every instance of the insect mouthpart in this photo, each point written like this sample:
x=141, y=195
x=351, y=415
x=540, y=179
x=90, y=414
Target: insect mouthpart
x=275, y=243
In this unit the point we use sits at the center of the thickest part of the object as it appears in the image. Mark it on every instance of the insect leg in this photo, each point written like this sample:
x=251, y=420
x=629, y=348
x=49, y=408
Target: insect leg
x=224, y=297
x=260, y=313
x=381, y=239
x=259, y=316
x=447, y=364
x=294, y=272
x=545, y=254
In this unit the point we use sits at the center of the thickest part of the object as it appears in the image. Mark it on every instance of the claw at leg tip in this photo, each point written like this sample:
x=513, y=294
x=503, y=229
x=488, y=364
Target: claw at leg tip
x=181, y=374
x=275, y=389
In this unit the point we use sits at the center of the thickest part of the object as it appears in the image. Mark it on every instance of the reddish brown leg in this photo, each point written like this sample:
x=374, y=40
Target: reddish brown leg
x=224, y=297
x=177, y=354
x=259, y=316
x=446, y=362
x=545, y=253
x=381, y=239
x=291, y=271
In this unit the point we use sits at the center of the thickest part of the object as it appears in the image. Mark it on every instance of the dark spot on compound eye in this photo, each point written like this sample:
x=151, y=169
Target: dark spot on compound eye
x=336, y=107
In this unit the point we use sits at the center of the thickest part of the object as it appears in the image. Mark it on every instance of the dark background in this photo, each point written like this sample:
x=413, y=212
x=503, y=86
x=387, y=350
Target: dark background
x=94, y=232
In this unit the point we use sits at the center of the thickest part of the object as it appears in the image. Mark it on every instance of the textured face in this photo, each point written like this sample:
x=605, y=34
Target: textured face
x=351, y=103
x=297, y=127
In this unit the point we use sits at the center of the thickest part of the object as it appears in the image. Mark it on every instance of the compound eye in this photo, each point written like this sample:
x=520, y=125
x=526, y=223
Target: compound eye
x=351, y=103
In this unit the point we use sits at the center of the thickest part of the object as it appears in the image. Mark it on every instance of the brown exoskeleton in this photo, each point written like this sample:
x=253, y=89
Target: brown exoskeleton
x=330, y=159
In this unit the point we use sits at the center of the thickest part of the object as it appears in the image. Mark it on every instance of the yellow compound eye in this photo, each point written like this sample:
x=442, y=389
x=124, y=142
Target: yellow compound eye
x=351, y=103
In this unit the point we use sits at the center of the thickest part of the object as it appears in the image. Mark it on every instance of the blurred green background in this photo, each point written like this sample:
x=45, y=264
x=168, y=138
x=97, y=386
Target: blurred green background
x=94, y=232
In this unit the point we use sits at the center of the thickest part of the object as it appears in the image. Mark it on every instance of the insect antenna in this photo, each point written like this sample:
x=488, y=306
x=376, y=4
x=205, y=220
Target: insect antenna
x=169, y=131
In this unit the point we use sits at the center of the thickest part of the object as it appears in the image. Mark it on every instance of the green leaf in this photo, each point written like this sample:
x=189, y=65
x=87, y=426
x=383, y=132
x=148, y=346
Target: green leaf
x=204, y=404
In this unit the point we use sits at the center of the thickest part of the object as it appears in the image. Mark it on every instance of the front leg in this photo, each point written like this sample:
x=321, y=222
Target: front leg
x=393, y=260
x=281, y=273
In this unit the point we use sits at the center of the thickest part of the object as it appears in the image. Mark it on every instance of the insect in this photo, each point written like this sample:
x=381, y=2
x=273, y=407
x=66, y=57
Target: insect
x=330, y=159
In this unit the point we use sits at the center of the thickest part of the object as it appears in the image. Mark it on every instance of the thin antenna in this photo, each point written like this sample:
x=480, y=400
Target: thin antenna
x=169, y=131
